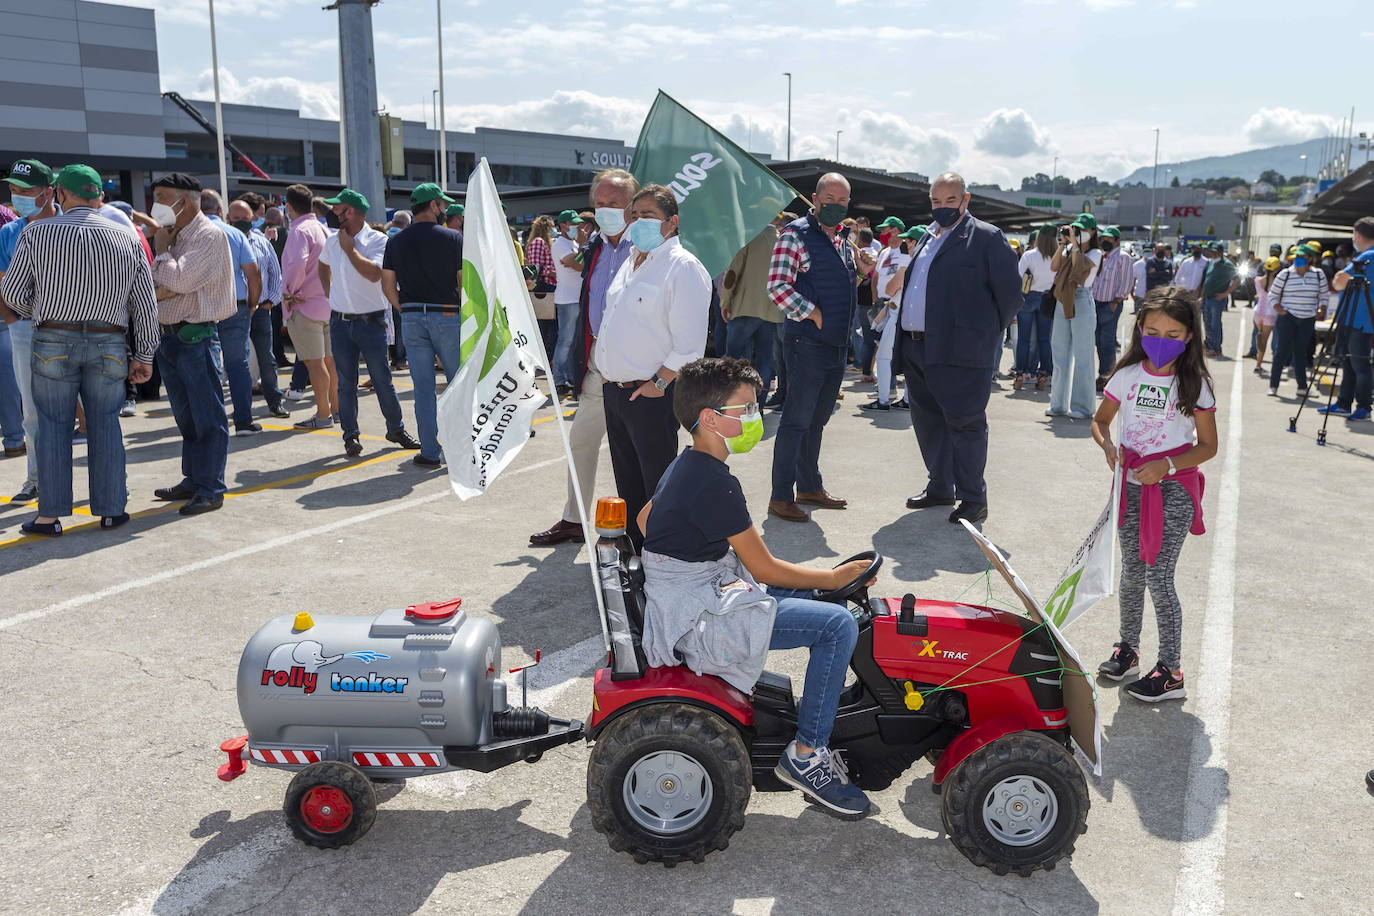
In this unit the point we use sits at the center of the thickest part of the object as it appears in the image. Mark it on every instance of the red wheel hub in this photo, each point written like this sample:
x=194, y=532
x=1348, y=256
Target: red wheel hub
x=326, y=809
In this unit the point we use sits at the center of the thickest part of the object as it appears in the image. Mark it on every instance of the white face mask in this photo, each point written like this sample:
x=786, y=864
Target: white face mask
x=163, y=214
x=611, y=220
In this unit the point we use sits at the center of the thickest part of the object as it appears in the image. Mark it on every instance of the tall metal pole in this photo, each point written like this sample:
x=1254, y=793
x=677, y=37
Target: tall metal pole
x=789, y=117
x=343, y=134
x=1154, y=183
x=359, y=62
x=443, y=140
x=219, y=115
x=434, y=118
x=837, y=144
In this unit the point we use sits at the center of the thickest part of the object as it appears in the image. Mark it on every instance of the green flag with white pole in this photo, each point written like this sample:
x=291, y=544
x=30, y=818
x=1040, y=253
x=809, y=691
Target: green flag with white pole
x=724, y=195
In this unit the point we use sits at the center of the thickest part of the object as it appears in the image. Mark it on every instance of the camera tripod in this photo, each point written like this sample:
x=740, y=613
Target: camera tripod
x=1331, y=356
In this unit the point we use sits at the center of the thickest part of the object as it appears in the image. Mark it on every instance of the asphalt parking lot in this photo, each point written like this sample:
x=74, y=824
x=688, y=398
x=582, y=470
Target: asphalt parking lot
x=123, y=647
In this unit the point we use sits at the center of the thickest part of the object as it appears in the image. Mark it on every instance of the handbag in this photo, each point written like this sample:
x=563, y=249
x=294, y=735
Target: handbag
x=1027, y=281
x=877, y=309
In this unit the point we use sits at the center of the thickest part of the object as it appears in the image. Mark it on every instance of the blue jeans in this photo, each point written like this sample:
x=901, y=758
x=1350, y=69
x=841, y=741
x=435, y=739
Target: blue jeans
x=94, y=365
x=300, y=375
x=11, y=402
x=364, y=337
x=779, y=362
x=21, y=337
x=1107, y=315
x=194, y=394
x=260, y=333
x=747, y=337
x=814, y=370
x=233, y=338
x=1031, y=325
x=427, y=335
x=569, y=334
x=1072, y=386
x=1357, y=377
x=1211, y=321
x=1292, y=343
x=830, y=632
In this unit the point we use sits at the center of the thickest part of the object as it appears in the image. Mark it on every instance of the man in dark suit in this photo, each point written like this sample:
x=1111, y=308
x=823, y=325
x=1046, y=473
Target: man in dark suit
x=962, y=290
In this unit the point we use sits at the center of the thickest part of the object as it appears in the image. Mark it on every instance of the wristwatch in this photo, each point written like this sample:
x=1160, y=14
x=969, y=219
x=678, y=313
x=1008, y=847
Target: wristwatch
x=1172, y=470
x=660, y=383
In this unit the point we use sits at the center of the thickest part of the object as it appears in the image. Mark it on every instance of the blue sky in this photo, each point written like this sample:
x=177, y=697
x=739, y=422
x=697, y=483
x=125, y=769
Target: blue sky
x=994, y=88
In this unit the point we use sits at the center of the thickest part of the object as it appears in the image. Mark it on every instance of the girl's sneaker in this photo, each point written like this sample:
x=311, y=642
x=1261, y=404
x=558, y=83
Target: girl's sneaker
x=1159, y=684
x=1123, y=663
x=822, y=777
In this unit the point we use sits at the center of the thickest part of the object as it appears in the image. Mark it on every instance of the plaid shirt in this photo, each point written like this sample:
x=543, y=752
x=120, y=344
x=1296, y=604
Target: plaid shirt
x=789, y=259
x=268, y=267
x=1113, y=277
x=538, y=255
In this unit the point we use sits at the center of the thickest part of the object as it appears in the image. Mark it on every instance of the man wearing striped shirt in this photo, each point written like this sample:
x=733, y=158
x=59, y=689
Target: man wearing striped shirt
x=1109, y=290
x=84, y=282
x=1298, y=291
x=260, y=323
x=195, y=281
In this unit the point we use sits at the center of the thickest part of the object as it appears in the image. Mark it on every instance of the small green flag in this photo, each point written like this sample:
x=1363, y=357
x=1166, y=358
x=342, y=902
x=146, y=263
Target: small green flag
x=724, y=195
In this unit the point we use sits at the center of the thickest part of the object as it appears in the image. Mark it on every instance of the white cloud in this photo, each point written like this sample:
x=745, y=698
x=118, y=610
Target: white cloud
x=312, y=100
x=884, y=140
x=565, y=112
x=1010, y=132
x=1277, y=126
x=1098, y=6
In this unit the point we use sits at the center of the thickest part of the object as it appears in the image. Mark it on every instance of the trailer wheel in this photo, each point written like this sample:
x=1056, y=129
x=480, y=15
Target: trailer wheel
x=668, y=783
x=1017, y=804
x=330, y=804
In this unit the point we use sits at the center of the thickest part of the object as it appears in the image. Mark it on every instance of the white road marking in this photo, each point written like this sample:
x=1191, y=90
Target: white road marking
x=273, y=544
x=1201, y=886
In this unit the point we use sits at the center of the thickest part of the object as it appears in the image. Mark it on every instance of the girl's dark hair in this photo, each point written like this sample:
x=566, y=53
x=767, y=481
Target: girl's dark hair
x=1190, y=369
x=708, y=383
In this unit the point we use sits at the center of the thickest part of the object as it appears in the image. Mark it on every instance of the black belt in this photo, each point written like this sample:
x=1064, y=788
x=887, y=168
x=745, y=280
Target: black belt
x=436, y=309
x=365, y=316
x=915, y=335
x=95, y=327
x=241, y=302
x=630, y=384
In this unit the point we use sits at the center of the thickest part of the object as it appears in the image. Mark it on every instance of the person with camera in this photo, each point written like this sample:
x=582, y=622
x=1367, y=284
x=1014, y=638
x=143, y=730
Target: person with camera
x=1355, y=336
x=1074, y=338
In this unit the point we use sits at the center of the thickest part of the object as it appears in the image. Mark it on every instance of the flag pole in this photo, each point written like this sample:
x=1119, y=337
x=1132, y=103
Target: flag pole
x=1118, y=482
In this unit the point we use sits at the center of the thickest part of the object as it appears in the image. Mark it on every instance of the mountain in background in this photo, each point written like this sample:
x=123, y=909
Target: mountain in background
x=1248, y=165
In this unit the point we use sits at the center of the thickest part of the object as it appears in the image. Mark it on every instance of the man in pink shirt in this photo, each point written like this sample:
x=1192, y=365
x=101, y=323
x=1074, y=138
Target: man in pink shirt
x=305, y=308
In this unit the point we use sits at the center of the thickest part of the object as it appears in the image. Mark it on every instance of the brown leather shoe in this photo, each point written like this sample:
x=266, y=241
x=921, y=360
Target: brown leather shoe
x=822, y=499
x=563, y=531
x=787, y=511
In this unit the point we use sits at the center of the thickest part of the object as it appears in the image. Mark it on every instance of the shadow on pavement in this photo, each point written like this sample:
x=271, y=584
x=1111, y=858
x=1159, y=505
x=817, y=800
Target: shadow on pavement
x=372, y=491
x=801, y=542
x=923, y=541
x=1068, y=428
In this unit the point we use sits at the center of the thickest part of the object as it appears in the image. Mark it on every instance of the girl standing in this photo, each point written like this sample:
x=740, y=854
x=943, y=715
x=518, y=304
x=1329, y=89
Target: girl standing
x=1073, y=342
x=1033, y=325
x=1164, y=394
x=1264, y=311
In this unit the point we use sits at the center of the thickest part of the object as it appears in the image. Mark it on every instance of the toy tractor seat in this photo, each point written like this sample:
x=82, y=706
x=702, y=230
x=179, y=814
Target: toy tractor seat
x=622, y=589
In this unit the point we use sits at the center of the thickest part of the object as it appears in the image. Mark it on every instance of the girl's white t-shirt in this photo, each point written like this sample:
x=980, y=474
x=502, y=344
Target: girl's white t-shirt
x=1042, y=277
x=1151, y=421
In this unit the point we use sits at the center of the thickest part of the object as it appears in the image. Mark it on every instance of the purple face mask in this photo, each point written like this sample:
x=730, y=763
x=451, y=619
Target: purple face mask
x=1163, y=350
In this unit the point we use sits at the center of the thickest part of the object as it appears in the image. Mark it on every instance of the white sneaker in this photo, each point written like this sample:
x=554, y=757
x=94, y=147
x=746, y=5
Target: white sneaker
x=128, y=409
x=294, y=394
x=1273, y=392
x=1302, y=392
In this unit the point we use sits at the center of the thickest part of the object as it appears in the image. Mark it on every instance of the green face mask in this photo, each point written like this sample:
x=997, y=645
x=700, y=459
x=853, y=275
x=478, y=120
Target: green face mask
x=831, y=214
x=751, y=432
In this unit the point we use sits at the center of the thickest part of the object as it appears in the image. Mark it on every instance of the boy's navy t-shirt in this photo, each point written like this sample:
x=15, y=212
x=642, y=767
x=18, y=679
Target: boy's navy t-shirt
x=697, y=507
x=426, y=258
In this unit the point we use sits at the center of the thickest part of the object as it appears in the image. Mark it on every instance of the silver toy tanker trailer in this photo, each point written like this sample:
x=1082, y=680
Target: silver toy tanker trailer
x=343, y=701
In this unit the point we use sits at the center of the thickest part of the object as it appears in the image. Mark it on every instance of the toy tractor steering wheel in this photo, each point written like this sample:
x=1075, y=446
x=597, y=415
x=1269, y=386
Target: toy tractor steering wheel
x=857, y=590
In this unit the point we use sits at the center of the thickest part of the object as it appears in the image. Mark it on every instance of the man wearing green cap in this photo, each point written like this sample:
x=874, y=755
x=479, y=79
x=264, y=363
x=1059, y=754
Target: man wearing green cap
x=566, y=296
x=33, y=198
x=453, y=217
x=422, y=275
x=1109, y=290
x=351, y=271
x=1296, y=295
x=79, y=336
x=1219, y=280
x=887, y=229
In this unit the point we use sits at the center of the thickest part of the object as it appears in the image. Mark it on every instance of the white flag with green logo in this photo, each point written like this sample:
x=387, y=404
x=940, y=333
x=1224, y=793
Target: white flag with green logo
x=1089, y=576
x=486, y=412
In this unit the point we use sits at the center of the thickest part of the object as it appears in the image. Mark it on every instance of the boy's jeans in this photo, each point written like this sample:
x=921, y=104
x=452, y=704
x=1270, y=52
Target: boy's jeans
x=830, y=632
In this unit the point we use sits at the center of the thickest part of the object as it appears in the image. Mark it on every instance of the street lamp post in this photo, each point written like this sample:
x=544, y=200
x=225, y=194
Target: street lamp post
x=1154, y=183
x=443, y=146
x=789, y=116
x=434, y=117
x=837, y=144
x=219, y=115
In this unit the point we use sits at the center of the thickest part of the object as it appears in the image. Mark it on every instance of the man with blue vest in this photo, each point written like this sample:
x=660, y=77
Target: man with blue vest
x=812, y=280
x=962, y=290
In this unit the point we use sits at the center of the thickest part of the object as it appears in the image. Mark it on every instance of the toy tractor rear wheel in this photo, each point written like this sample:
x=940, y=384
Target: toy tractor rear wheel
x=668, y=783
x=1017, y=804
x=330, y=804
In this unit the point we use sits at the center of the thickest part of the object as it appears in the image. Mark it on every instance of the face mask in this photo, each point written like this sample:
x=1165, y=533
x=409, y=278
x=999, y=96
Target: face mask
x=259, y=222
x=751, y=432
x=392, y=231
x=24, y=206
x=1106, y=246
x=1300, y=262
x=163, y=214
x=611, y=220
x=946, y=216
x=831, y=214
x=242, y=225
x=646, y=234
x=570, y=232
x=1163, y=350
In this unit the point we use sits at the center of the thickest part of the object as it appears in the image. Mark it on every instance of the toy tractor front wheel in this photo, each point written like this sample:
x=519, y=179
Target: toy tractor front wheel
x=668, y=783
x=330, y=804
x=1017, y=804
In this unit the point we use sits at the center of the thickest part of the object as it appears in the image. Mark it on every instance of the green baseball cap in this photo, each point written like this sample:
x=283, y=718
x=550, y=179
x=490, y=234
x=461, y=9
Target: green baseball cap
x=454, y=210
x=1084, y=221
x=568, y=216
x=426, y=192
x=30, y=173
x=350, y=197
x=1217, y=246
x=79, y=179
x=915, y=232
x=1112, y=232
x=1305, y=251
x=894, y=223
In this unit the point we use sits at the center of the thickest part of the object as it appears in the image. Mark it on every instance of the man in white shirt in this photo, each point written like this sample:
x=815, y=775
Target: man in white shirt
x=1138, y=282
x=565, y=300
x=351, y=273
x=891, y=262
x=657, y=309
x=1191, y=269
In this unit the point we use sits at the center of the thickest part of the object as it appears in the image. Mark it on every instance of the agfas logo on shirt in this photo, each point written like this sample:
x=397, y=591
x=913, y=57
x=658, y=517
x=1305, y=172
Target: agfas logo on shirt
x=1152, y=397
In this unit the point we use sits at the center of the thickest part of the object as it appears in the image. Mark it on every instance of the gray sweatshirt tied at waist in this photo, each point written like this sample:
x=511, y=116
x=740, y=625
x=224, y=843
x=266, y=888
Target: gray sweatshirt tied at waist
x=711, y=616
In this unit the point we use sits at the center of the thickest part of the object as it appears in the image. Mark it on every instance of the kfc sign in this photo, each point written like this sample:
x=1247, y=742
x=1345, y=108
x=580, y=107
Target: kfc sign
x=1181, y=212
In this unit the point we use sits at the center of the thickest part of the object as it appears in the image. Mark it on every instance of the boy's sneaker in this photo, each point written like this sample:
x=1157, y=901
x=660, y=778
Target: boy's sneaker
x=822, y=777
x=1335, y=410
x=1360, y=413
x=1123, y=663
x=1159, y=684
